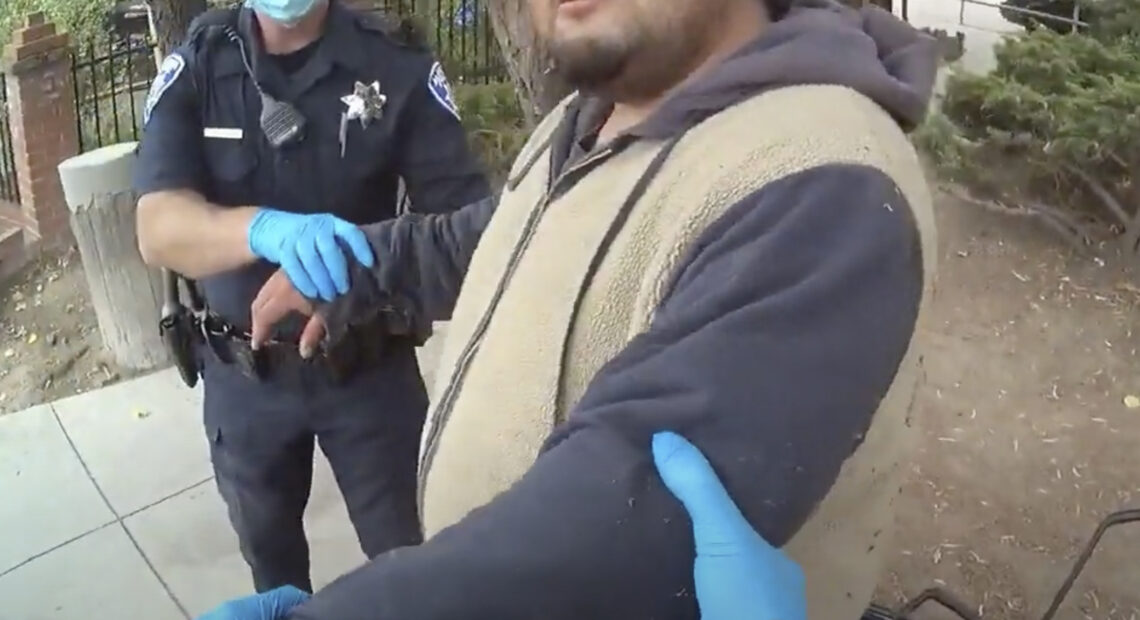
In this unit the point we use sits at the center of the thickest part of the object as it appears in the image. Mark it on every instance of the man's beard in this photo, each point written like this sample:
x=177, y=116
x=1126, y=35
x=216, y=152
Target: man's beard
x=638, y=66
x=590, y=64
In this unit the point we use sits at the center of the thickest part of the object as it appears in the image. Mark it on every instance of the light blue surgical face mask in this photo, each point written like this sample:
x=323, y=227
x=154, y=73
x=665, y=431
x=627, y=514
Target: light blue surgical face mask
x=284, y=12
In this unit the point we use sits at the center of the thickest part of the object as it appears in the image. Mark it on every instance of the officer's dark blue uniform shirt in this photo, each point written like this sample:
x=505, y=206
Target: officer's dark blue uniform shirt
x=203, y=132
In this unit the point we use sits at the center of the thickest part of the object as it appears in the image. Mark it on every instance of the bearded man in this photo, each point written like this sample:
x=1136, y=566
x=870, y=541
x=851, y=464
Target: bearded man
x=724, y=233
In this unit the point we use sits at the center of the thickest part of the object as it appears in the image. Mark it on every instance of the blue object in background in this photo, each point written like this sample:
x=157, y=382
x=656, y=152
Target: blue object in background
x=465, y=13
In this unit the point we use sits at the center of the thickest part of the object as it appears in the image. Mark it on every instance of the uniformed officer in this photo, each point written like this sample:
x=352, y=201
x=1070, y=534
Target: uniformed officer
x=270, y=134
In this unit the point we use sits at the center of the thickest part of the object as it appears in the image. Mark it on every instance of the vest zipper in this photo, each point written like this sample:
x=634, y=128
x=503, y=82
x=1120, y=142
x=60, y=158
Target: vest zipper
x=447, y=399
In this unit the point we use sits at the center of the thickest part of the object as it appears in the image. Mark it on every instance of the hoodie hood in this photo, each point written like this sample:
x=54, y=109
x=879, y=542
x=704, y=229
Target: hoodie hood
x=817, y=42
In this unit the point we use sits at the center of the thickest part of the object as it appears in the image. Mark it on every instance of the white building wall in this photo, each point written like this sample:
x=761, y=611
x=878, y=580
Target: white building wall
x=982, y=25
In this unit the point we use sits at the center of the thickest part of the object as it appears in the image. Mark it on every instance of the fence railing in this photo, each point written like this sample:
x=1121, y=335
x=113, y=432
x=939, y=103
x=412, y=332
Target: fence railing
x=111, y=81
x=460, y=34
x=9, y=185
x=112, y=78
x=1074, y=22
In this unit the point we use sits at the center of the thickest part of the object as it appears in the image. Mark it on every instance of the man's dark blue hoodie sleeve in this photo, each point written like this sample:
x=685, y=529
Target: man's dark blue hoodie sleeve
x=420, y=264
x=782, y=332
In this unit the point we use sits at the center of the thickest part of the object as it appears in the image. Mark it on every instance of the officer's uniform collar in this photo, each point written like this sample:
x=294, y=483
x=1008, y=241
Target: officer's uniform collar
x=344, y=49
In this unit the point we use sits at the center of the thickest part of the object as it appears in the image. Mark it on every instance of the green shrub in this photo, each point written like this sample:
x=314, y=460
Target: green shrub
x=82, y=18
x=1060, y=110
x=494, y=122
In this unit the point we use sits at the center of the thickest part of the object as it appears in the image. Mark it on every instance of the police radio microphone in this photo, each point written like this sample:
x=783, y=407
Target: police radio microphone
x=281, y=123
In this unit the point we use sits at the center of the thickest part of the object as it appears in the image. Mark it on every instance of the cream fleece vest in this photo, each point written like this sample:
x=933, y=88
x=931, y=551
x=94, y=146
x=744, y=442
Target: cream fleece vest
x=502, y=384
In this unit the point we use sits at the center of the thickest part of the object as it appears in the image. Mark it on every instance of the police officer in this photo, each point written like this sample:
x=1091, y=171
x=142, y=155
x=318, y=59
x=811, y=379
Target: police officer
x=269, y=134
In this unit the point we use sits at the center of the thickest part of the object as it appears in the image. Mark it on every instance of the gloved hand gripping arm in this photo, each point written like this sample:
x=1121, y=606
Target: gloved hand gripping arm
x=738, y=575
x=272, y=605
x=422, y=260
x=420, y=264
x=309, y=249
x=179, y=230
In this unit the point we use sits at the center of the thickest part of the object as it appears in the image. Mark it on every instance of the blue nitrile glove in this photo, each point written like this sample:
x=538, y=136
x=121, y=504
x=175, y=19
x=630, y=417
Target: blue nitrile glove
x=307, y=248
x=272, y=605
x=738, y=574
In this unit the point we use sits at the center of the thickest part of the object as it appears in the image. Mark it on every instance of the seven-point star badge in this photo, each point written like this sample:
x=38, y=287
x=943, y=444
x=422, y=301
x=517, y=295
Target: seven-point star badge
x=365, y=103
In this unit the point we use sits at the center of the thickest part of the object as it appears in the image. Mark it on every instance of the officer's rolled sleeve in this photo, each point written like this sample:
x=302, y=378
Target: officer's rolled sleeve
x=170, y=151
x=439, y=170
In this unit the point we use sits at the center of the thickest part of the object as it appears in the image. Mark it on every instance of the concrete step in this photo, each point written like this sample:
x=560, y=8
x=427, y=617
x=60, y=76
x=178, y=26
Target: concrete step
x=13, y=253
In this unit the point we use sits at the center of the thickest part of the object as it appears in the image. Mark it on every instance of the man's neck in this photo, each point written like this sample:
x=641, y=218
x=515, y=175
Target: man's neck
x=737, y=30
x=279, y=39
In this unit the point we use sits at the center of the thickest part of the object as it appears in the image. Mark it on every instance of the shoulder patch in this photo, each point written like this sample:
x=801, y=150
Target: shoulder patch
x=441, y=90
x=168, y=72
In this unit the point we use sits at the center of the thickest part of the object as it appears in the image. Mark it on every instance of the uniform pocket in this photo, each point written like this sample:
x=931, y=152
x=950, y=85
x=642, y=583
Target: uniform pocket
x=358, y=185
x=232, y=166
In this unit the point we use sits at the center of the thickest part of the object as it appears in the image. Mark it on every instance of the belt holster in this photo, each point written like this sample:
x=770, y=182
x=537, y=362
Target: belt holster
x=186, y=329
x=179, y=329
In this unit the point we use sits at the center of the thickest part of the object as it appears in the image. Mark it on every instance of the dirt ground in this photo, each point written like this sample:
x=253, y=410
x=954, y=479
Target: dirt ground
x=1029, y=441
x=50, y=346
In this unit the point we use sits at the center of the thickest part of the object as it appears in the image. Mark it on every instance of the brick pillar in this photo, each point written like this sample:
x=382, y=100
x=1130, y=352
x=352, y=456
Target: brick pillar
x=41, y=100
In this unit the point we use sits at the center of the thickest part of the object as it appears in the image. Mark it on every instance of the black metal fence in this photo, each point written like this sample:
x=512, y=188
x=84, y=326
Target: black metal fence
x=9, y=187
x=112, y=78
x=111, y=82
x=459, y=32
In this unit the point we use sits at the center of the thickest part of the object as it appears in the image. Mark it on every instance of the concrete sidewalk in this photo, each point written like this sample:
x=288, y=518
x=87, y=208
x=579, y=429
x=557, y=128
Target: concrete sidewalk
x=108, y=509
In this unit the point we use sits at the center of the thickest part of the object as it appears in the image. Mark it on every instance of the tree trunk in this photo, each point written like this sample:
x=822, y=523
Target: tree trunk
x=526, y=60
x=170, y=20
x=125, y=294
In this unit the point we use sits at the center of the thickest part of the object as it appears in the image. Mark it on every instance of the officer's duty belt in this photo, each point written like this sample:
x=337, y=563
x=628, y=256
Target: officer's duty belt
x=187, y=334
x=281, y=361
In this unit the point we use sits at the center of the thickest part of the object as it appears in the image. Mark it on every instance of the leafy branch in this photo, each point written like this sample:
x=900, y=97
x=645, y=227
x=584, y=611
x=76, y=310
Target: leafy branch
x=1062, y=111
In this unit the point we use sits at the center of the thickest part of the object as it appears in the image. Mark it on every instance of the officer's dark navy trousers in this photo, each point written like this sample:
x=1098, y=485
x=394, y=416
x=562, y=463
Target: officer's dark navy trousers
x=261, y=438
